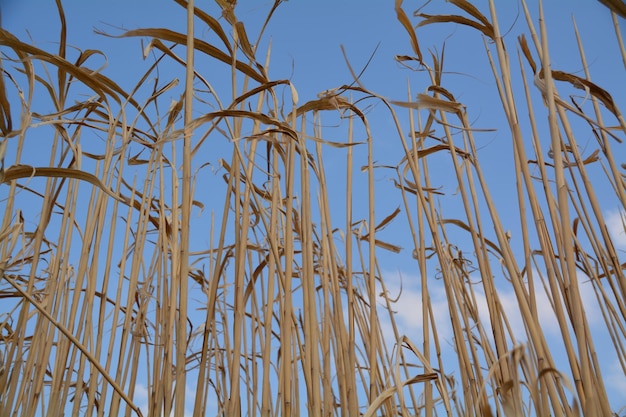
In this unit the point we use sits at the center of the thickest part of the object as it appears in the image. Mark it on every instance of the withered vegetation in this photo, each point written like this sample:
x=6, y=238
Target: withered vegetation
x=119, y=271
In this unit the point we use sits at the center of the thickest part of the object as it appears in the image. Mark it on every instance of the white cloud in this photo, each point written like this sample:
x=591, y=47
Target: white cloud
x=545, y=311
x=408, y=316
x=615, y=224
x=141, y=398
x=408, y=306
x=616, y=386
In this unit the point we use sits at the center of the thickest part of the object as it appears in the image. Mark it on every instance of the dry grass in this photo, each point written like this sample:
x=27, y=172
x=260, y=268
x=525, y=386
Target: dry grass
x=119, y=271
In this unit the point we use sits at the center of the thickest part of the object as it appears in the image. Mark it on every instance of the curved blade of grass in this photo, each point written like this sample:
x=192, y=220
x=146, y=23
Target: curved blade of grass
x=15, y=172
x=200, y=45
x=406, y=23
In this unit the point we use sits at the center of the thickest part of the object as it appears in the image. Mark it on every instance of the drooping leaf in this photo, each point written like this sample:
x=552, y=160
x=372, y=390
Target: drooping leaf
x=406, y=23
x=200, y=45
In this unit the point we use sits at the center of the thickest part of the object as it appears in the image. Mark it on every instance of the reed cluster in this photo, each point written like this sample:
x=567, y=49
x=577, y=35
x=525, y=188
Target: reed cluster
x=200, y=255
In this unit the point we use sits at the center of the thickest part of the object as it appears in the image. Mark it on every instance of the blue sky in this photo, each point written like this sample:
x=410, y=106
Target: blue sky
x=305, y=47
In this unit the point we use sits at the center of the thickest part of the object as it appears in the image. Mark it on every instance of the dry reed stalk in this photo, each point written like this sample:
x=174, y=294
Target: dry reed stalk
x=269, y=308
